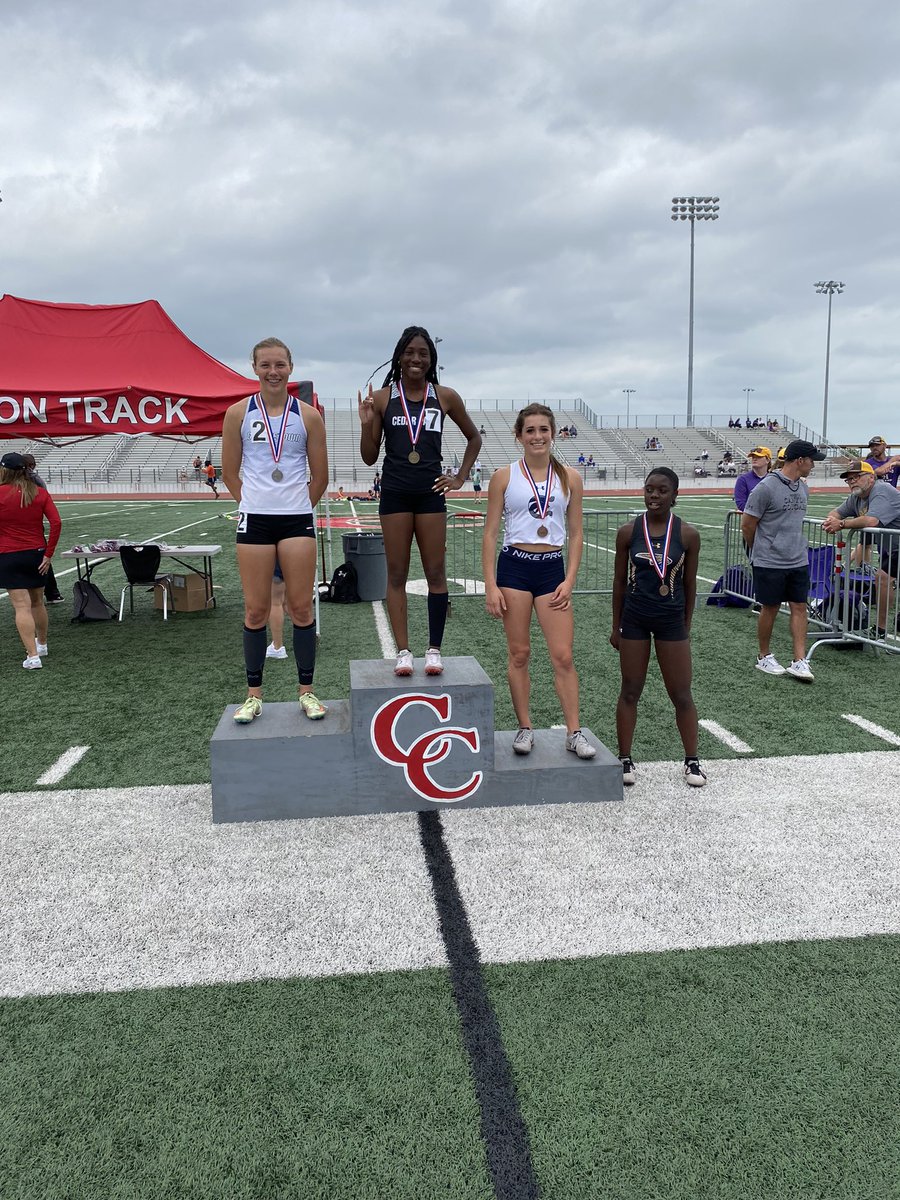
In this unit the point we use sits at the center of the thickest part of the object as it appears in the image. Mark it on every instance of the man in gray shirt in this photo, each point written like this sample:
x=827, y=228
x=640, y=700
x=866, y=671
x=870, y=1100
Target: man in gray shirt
x=772, y=527
x=872, y=504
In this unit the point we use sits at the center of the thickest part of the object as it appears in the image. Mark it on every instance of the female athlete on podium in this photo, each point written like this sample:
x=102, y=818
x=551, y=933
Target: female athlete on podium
x=539, y=498
x=408, y=411
x=278, y=444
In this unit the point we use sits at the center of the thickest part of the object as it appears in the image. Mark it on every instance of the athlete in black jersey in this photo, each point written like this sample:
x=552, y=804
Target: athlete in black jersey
x=654, y=589
x=408, y=411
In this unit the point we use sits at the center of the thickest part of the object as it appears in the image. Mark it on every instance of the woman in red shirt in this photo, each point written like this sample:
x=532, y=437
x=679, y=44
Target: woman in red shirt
x=25, y=553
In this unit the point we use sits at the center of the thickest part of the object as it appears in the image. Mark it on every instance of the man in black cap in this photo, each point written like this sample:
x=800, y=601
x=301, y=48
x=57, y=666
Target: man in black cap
x=872, y=504
x=772, y=527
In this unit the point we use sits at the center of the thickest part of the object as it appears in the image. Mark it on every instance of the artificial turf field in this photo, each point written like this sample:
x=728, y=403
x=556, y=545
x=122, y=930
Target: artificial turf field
x=689, y=994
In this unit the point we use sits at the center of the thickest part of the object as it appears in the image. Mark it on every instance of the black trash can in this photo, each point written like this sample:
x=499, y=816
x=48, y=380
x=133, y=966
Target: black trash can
x=366, y=552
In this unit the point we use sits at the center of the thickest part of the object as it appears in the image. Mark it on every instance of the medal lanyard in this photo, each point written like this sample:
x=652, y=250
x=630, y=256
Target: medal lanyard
x=276, y=446
x=660, y=569
x=543, y=506
x=413, y=428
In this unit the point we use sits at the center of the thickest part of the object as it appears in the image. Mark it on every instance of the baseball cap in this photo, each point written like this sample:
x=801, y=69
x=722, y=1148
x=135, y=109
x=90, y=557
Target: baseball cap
x=13, y=461
x=858, y=467
x=877, y=441
x=800, y=449
x=759, y=452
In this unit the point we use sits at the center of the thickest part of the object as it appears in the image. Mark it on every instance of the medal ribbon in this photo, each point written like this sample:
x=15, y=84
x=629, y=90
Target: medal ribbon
x=276, y=446
x=414, y=429
x=660, y=570
x=542, y=505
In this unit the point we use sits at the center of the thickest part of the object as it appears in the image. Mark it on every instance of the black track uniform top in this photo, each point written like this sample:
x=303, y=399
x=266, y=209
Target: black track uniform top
x=398, y=474
x=642, y=590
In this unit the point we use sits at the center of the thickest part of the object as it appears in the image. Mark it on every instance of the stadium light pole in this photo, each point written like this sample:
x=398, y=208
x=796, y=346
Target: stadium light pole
x=827, y=288
x=747, y=392
x=693, y=208
x=629, y=392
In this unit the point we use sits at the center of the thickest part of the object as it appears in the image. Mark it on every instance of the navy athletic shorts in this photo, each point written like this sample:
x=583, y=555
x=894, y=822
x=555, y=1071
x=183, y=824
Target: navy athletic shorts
x=539, y=572
x=664, y=626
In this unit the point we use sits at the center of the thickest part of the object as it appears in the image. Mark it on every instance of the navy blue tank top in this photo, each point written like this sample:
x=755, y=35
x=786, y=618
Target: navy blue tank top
x=398, y=474
x=642, y=590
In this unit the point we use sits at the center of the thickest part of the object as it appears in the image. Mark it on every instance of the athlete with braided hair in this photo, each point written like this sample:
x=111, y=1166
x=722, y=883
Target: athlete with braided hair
x=408, y=412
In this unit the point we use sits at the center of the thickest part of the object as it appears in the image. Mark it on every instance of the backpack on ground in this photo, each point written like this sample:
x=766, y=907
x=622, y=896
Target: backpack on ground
x=736, y=579
x=344, y=586
x=89, y=603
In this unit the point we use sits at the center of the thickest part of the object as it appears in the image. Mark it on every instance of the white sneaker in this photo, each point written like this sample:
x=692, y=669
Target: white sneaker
x=694, y=775
x=273, y=652
x=404, y=664
x=523, y=742
x=579, y=745
x=801, y=670
x=769, y=664
x=433, y=664
x=32, y=663
x=42, y=649
x=629, y=775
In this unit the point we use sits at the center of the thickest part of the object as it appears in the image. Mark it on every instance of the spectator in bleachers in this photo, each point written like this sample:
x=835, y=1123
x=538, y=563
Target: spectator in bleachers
x=590, y=461
x=760, y=462
x=582, y=461
x=197, y=464
x=731, y=422
x=573, y=432
x=564, y=432
x=482, y=430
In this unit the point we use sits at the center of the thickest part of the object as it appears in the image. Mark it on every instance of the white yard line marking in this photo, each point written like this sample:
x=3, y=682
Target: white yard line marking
x=64, y=764
x=870, y=727
x=383, y=629
x=724, y=735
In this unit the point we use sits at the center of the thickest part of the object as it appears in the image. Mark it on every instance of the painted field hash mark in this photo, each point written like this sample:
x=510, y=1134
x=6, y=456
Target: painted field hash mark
x=878, y=731
x=63, y=765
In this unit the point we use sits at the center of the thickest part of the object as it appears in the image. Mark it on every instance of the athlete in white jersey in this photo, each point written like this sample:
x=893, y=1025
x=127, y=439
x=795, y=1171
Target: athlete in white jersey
x=275, y=464
x=539, y=498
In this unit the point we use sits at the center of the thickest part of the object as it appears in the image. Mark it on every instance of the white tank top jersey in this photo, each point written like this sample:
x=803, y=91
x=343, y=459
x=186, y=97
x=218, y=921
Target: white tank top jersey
x=521, y=518
x=260, y=493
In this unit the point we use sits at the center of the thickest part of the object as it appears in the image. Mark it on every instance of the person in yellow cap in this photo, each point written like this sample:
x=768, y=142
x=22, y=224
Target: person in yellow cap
x=872, y=504
x=760, y=461
x=886, y=466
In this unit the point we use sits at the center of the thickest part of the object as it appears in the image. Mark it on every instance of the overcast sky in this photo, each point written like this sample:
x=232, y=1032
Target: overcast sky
x=501, y=172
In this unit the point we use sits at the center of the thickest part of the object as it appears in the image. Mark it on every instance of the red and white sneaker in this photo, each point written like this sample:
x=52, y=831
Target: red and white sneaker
x=404, y=664
x=433, y=664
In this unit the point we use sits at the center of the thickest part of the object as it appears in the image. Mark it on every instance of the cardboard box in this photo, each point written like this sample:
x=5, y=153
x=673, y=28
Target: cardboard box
x=188, y=592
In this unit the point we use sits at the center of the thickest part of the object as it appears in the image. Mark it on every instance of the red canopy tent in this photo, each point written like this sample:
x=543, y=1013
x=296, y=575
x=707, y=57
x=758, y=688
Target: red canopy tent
x=81, y=370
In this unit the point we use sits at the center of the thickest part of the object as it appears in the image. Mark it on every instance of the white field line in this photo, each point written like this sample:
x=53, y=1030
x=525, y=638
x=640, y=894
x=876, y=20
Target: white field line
x=64, y=765
x=870, y=727
x=724, y=735
x=383, y=629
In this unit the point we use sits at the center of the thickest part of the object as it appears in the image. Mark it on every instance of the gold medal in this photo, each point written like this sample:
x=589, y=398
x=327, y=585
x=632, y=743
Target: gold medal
x=542, y=531
x=414, y=456
x=663, y=589
x=277, y=475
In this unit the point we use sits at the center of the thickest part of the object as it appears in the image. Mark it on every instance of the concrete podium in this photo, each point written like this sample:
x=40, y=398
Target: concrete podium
x=397, y=745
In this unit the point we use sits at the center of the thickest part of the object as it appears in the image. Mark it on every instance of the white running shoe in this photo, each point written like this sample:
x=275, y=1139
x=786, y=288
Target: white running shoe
x=629, y=775
x=801, y=670
x=274, y=651
x=42, y=649
x=32, y=663
x=579, y=745
x=769, y=664
x=404, y=664
x=433, y=664
x=523, y=742
x=694, y=775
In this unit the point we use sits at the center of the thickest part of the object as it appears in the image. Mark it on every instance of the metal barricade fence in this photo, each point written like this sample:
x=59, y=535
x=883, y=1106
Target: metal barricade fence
x=849, y=597
x=595, y=574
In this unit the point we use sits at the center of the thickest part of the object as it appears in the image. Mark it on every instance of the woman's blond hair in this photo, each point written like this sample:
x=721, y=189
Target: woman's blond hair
x=19, y=479
x=541, y=410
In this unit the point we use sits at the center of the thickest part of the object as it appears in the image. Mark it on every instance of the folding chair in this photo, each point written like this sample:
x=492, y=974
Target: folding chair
x=821, y=581
x=141, y=566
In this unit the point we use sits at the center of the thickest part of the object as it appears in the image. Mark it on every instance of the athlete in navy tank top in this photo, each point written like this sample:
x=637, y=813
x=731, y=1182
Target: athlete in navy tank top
x=654, y=589
x=408, y=412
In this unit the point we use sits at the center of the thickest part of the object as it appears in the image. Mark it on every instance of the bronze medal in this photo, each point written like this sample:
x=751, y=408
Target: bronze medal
x=277, y=475
x=414, y=456
x=542, y=531
x=663, y=589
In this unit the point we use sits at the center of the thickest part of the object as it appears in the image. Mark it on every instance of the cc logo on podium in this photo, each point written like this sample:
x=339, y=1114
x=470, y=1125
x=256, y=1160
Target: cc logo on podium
x=427, y=750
